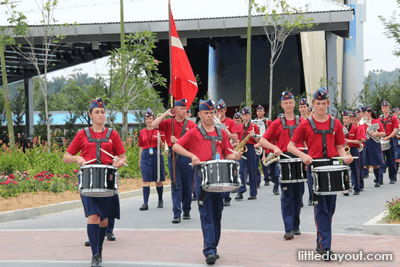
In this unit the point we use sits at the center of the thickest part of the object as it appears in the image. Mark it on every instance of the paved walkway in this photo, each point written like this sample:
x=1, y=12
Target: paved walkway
x=252, y=235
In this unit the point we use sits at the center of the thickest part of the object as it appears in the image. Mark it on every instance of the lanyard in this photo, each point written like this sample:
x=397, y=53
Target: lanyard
x=245, y=129
x=151, y=136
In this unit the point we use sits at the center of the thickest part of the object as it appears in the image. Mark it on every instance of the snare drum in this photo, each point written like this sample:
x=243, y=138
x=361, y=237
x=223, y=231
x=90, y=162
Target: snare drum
x=220, y=175
x=331, y=179
x=292, y=170
x=98, y=180
x=385, y=145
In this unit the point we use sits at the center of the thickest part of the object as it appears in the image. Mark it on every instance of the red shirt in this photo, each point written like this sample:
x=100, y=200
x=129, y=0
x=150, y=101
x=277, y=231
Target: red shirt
x=354, y=134
x=363, y=128
x=88, y=150
x=391, y=125
x=230, y=125
x=275, y=133
x=305, y=133
x=165, y=126
x=145, y=142
x=251, y=141
x=194, y=142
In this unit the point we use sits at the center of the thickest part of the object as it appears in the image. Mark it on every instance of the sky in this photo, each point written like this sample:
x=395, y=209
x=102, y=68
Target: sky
x=377, y=47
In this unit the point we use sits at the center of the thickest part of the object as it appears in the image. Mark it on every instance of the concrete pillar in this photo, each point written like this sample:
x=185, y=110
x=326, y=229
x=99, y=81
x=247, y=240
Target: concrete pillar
x=28, y=84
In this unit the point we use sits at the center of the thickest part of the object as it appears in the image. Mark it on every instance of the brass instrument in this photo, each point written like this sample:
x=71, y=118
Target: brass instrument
x=371, y=128
x=347, y=150
x=361, y=147
x=345, y=131
x=271, y=158
x=241, y=147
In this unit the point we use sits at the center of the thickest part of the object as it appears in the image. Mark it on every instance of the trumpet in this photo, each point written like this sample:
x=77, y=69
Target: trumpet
x=271, y=158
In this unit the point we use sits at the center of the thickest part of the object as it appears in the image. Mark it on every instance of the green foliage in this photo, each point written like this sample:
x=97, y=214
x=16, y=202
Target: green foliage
x=392, y=28
x=393, y=208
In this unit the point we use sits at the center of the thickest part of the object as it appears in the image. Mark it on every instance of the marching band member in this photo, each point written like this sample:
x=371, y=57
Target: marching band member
x=267, y=122
x=373, y=151
x=304, y=113
x=148, y=160
x=364, y=171
x=232, y=134
x=324, y=137
x=395, y=112
x=237, y=118
x=197, y=145
x=244, y=130
x=182, y=180
x=280, y=132
x=310, y=111
x=353, y=140
x=390, y=124
x=97, y=209
x=188, y=113
x=354, y=122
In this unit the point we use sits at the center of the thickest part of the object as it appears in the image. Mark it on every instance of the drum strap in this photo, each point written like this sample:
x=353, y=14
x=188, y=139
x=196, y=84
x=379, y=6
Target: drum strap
x=323, y=132
x=212, y=138
x=292, y=127
x=265, y=123
x=98, y=141
x=385, y=122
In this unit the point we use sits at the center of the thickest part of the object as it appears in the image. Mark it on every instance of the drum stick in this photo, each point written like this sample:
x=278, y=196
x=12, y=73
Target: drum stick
x=113, y=156
x=283, y=154
x=201, y=162
x=256, y=135
x=301, y=148
x=236, y=153
x=89, y=161
x=333, y=158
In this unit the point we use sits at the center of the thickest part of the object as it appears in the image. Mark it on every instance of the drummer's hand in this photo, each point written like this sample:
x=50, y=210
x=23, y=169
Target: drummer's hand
x=348, y=159
x=81, y=161
x=277, y=152
x=307, y=159
x=238, y=156
x=117, y=164
x=195, y=160
x=174, y=139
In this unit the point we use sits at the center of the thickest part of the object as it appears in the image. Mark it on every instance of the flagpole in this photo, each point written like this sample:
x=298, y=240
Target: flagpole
x=173, y=180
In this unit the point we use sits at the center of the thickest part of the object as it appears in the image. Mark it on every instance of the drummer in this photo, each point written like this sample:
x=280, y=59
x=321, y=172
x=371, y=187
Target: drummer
x=197, y=146
x=181, y=188
x=260, y=111
x=353, y=141
x=244, y=130
x=390, y=124
x=280, y=132
x=309, y=132
x=97, y=209
x=148, y=160
x=231, y=130
x=373, y=150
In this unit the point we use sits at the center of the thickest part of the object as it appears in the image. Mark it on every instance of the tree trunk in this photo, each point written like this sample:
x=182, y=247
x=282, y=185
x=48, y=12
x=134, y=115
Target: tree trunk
x=7, y=102
x=124, y=125
x=248, y=61
x=46, y=109
x=271, y=77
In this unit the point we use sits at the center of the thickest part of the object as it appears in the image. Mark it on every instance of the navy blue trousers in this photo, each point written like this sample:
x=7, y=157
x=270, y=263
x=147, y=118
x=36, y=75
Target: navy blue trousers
x=210, y=218
x=355, y=169
x=274, y=172
x=251, y=169
x=389, y=157
x=323, y=213
x=362, y=171
x=264, y=169
x=182, y=197
x=291, y=200
x=110, y=225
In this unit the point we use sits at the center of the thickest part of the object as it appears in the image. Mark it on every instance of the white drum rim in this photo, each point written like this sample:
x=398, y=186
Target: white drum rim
x=101, y=166
x=219, y=161
x=293, y=181
x=332, y=168
x=331, y=192
x=292, y=160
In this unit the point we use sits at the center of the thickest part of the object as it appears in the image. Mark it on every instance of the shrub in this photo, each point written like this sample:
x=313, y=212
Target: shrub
x=393, y=207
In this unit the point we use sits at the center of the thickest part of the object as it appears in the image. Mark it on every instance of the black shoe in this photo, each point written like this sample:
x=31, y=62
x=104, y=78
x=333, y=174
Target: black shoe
x=96, y=261
x=356, y=193
x=110, y=236
x=186, y=216
x=366, y=176
x=302, y=204
x=276, y=192
x=144, y=207
x=377, y=185
x=194, y=198
x=392, y=182
x=239, y=196
x=101, y=254
x=211, y=258
x=288, y=235
x=248, y=182
x=176, y=220
x=381, y=182
x=252, y=197
x=266, y=183
x=87, y=243
x=346, y=194
x=217, y=255
x=160, y=204
x=362, y=189
x=296, y=232
x=310, y=203
x=324, y=252
x=227, y=203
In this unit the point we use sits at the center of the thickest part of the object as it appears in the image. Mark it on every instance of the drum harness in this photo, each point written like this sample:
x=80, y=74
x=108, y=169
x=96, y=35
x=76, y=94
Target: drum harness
x=386, y=122
x=98, y=142
x=324, y=147
x=213, y=150
x=291, y=129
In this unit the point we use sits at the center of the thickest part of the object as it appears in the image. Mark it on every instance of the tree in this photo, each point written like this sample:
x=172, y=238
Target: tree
x=280, y=21
x=5, y=40
x=50, y=43
x=134, y=74
x=392, y=27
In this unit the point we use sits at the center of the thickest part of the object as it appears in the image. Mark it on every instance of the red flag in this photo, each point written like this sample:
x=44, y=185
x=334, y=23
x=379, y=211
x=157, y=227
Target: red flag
x=183, y=81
